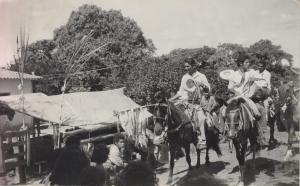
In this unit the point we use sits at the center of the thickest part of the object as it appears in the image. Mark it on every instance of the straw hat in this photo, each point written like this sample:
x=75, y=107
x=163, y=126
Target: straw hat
x=228, y=75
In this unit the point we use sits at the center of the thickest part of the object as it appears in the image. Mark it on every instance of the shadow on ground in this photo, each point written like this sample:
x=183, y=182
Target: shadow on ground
x=269, y=167
x=204, y=175
x=288, y=184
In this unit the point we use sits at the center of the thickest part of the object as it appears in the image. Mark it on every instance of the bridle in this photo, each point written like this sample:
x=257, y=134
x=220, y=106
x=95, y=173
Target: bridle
x=234, y=121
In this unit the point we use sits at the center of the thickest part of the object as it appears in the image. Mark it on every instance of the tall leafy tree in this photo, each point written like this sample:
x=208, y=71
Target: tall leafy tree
x=265, y=50
x=117, y=42
x=95, y=49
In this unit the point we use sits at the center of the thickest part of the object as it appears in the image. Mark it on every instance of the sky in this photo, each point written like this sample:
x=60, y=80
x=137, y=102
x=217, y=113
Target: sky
x=170, y=24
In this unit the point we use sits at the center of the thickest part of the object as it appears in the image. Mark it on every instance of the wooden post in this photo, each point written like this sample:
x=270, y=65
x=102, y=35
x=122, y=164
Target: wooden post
x=118, y=124
x=55, y=135
x=2, y=165
x=117, y=114
x=27, y=138
x=22, y=168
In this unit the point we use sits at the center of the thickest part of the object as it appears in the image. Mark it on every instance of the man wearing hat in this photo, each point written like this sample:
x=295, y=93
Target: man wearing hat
x=193, y=85
x=243, y=83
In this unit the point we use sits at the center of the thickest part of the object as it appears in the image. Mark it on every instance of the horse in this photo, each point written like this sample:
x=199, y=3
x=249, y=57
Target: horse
x=179, y=130
x=287, y=115
x=238, y=121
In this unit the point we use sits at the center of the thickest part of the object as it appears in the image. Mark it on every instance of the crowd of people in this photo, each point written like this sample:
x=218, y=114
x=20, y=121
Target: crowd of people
x=99, y=166
x=265, y=102
x=102, y=165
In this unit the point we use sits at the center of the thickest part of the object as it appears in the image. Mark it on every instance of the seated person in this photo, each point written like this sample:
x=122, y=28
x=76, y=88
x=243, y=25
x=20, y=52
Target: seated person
x=116, y=154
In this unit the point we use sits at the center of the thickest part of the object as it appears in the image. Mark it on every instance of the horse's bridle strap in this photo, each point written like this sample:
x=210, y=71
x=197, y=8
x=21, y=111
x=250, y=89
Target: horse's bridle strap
x=177, y=128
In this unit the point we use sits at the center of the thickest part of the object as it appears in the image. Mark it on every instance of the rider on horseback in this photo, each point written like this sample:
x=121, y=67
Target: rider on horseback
x=193, y=85
x=253, y=87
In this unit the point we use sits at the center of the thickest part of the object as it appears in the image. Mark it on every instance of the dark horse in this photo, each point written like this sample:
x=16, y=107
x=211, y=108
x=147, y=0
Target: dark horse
x=180, y=133
x=240, y=130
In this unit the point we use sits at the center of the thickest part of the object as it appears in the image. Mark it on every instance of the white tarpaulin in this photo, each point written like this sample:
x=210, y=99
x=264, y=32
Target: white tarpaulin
x=82, y=109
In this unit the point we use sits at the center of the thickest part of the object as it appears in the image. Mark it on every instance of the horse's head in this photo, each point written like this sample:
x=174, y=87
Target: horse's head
x=160, y=118
x=233, y=117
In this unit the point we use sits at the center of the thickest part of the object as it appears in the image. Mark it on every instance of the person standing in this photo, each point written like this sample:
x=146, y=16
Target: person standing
x=70, y=163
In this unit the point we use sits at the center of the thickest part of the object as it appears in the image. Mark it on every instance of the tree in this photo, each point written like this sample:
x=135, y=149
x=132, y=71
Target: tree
x=163, y=73
x=121, y=44
x=272, y=54
x=95, y=49
x=40, y=61
x=223, y=58
x=264, y=50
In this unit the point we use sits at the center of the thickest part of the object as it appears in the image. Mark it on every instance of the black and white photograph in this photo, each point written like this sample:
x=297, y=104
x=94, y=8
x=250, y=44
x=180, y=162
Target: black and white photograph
x=149, y=92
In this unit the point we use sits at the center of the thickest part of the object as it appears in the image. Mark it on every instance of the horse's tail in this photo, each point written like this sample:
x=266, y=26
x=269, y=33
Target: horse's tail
x=212, y=139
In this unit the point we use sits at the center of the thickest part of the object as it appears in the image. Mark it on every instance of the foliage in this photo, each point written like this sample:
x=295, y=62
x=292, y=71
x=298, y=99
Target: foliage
x=265, y=50
x=121, y=39
x=91, y=40
x=165, y=72
x=98, y=49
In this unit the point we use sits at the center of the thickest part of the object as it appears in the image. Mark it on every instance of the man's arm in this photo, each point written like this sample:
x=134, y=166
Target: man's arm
x=202, y=81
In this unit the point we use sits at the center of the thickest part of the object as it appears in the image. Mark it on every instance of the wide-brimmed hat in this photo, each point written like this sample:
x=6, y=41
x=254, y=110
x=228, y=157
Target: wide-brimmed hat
x=228, y=75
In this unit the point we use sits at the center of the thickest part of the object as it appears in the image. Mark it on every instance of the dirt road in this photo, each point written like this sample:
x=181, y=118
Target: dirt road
x=270, y=168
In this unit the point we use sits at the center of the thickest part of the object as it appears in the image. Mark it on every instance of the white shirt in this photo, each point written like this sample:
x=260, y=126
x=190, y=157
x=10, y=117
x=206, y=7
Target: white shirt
x=266, y=75
x=184, y=89
x=201, y=78
x=115, y=156
x=236, y=85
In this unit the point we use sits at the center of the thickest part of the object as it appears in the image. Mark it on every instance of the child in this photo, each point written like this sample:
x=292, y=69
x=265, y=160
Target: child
x=116, y=153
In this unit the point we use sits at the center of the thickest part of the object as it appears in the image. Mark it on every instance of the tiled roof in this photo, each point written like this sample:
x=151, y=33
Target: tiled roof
x=8, y=74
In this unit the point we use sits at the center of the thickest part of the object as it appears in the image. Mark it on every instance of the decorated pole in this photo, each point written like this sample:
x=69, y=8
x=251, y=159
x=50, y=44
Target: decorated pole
x=22, y=48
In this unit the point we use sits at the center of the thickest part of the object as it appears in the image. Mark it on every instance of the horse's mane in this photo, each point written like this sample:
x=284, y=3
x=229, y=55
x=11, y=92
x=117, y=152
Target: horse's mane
x=244, y=110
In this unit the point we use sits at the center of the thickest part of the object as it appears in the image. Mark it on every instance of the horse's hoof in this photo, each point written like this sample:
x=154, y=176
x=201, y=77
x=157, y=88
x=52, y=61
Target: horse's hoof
x=241, y=183
x=169, y=182
x=198, y=166
x=288, y=155
x=190, y=168
x=207, y=163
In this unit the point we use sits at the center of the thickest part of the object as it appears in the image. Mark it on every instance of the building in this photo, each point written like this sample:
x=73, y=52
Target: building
x=9, y=82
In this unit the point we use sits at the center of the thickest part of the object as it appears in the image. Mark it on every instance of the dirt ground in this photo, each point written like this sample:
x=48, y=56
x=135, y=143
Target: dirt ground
x=270, y=168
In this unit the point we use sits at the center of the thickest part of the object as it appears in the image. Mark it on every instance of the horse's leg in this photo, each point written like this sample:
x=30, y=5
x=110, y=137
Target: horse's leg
x=172, y=158
x=289, y=152
x=198, y=154
x=207, y=156
x=253, y=145
x=242, y=164
x=291, y=137
x=187, y=150
x=241, y=159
